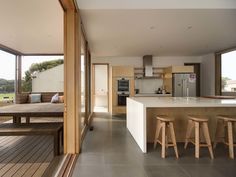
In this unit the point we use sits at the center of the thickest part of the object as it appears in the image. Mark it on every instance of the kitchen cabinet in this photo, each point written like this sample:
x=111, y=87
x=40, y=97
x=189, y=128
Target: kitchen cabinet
x=122, y=71
x=167, y=76
x=179, y=69
x=157, y=72
x=119, y=72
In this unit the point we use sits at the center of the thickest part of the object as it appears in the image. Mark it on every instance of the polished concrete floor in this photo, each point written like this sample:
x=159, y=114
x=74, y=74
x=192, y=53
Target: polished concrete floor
x=110, y=151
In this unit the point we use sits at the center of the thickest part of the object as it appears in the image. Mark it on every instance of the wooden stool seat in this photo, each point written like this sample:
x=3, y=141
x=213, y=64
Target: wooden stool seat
x=225, y=122
x=165, y=118
x=164, y=123
x=197, y=122
x=226, y=118
x=197, y=118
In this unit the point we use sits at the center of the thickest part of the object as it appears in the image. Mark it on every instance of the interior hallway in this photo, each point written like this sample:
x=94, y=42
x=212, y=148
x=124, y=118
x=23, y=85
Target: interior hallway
x=110, y=151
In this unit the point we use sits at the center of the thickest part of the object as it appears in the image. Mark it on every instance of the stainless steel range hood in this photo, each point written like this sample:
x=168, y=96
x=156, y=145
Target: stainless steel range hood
x=147, y=64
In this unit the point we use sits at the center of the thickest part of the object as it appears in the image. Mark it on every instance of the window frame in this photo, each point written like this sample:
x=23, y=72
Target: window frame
x=218, y=72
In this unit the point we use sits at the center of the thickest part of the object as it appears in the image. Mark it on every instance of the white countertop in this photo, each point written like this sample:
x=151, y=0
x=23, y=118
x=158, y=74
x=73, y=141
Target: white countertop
x=184, y=102
x=151, y=95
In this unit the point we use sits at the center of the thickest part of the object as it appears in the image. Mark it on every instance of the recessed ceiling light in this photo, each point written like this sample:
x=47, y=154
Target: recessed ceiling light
x=189, y=27
x=152, y=27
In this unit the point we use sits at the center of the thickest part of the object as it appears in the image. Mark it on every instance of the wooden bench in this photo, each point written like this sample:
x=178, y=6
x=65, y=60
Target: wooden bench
x=54, y=129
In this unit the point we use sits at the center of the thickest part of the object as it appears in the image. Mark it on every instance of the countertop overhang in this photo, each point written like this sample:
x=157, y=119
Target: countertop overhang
x=151, y=95
x=184, y=102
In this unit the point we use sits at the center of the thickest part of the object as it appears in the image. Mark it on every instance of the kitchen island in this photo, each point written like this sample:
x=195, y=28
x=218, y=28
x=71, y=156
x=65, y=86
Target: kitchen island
x=142, y=111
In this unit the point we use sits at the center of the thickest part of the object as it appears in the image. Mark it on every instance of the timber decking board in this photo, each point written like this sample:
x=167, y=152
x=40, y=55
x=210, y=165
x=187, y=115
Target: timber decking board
x=43, y=166
x=25, y=155
x=11, y=169
x=9, y=155
x=35, y=158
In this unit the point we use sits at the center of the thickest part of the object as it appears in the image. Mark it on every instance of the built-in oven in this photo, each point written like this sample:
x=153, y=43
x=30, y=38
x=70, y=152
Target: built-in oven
x=121, y=98
x=123, y=85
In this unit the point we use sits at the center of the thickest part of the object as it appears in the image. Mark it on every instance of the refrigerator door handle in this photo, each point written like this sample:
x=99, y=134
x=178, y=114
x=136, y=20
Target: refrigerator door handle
x=185, y=88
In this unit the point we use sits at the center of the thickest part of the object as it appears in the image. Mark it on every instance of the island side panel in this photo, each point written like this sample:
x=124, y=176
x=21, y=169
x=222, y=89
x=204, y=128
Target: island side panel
x=136, y=123
x=180, y=115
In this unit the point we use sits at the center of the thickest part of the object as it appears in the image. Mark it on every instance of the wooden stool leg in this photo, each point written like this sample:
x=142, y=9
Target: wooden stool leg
x=230, y=138
x=207, y=138
x=172, y=134
x=163, y=143
x=188, y=132
x=27, y=120
x=157, y=133
x=219, y=129
x=197, y=139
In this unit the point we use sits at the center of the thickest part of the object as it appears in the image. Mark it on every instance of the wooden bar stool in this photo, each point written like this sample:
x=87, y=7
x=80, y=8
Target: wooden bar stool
x=164, y=123
x=225, y=122
x=198, y=123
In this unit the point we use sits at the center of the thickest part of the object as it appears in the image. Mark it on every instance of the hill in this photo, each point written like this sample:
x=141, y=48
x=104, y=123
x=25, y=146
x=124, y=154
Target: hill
x=6, y=86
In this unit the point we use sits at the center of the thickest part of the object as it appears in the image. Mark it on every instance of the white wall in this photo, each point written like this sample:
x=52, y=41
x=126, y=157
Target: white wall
x=148, y=85
x=157, y=61
x=51, y=80
x=208, y=75
x=207, y=68
x=120, y=61
x=101, y=82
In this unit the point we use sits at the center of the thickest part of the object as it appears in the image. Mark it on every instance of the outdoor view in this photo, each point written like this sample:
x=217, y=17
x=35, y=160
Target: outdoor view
x=228, y=72
x=7, y=77
x=42, y=74
x=37, y=73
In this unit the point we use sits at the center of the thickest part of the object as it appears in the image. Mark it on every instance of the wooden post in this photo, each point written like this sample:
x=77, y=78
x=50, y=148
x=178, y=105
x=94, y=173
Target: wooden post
x=18, y=70
x=72, y=72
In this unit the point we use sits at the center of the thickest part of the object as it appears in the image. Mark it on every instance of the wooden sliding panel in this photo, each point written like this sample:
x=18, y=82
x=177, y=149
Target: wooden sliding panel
x=218, y=74
x=72, y=77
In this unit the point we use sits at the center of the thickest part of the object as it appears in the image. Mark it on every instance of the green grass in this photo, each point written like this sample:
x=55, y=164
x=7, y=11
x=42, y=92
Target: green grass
x=10, y=95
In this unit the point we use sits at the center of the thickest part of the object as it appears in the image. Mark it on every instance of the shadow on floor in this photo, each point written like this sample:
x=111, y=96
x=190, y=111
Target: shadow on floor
x=110, y=151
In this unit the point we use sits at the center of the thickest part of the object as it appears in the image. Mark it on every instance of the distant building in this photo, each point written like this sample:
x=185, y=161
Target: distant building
x=231, y=86
x=51, y=80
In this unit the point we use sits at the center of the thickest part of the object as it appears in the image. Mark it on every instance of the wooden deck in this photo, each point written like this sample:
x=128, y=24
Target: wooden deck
x=25, y=155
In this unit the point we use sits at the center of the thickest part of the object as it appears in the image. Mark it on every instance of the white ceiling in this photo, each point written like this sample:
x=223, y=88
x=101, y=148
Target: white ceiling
x=32, y=26
x=156, y=4
x=160, y=32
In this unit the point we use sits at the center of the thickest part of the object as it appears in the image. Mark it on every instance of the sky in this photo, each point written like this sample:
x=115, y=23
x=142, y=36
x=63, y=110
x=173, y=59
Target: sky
x=7, y=63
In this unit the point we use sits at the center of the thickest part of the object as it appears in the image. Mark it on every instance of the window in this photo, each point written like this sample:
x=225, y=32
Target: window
x=7, y=77
x=83, y=82
x=228, y=72
x=225, y=72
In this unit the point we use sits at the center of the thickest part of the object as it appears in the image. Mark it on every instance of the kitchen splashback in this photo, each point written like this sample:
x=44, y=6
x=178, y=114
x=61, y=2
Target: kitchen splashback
x=148, y=85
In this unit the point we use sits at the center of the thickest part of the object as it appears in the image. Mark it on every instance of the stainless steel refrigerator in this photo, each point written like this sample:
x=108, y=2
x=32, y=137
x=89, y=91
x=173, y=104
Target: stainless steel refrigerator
x=184, y=85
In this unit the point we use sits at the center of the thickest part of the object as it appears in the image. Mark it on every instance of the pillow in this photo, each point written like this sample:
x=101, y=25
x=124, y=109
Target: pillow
x=61, y=99
x=55, y=98
x=35, y=98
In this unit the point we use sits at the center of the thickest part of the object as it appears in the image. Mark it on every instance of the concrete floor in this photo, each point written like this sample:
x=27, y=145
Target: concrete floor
x=110, y=151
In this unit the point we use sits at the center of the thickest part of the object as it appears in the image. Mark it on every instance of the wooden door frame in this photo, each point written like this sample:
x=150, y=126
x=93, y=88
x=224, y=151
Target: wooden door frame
x=93, y=85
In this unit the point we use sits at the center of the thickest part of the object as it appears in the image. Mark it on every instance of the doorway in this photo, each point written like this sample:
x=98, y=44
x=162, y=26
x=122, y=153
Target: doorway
x=197, y=71
x=100, y=88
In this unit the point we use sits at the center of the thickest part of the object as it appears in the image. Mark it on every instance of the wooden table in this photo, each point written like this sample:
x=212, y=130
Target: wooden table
x=17, y=111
